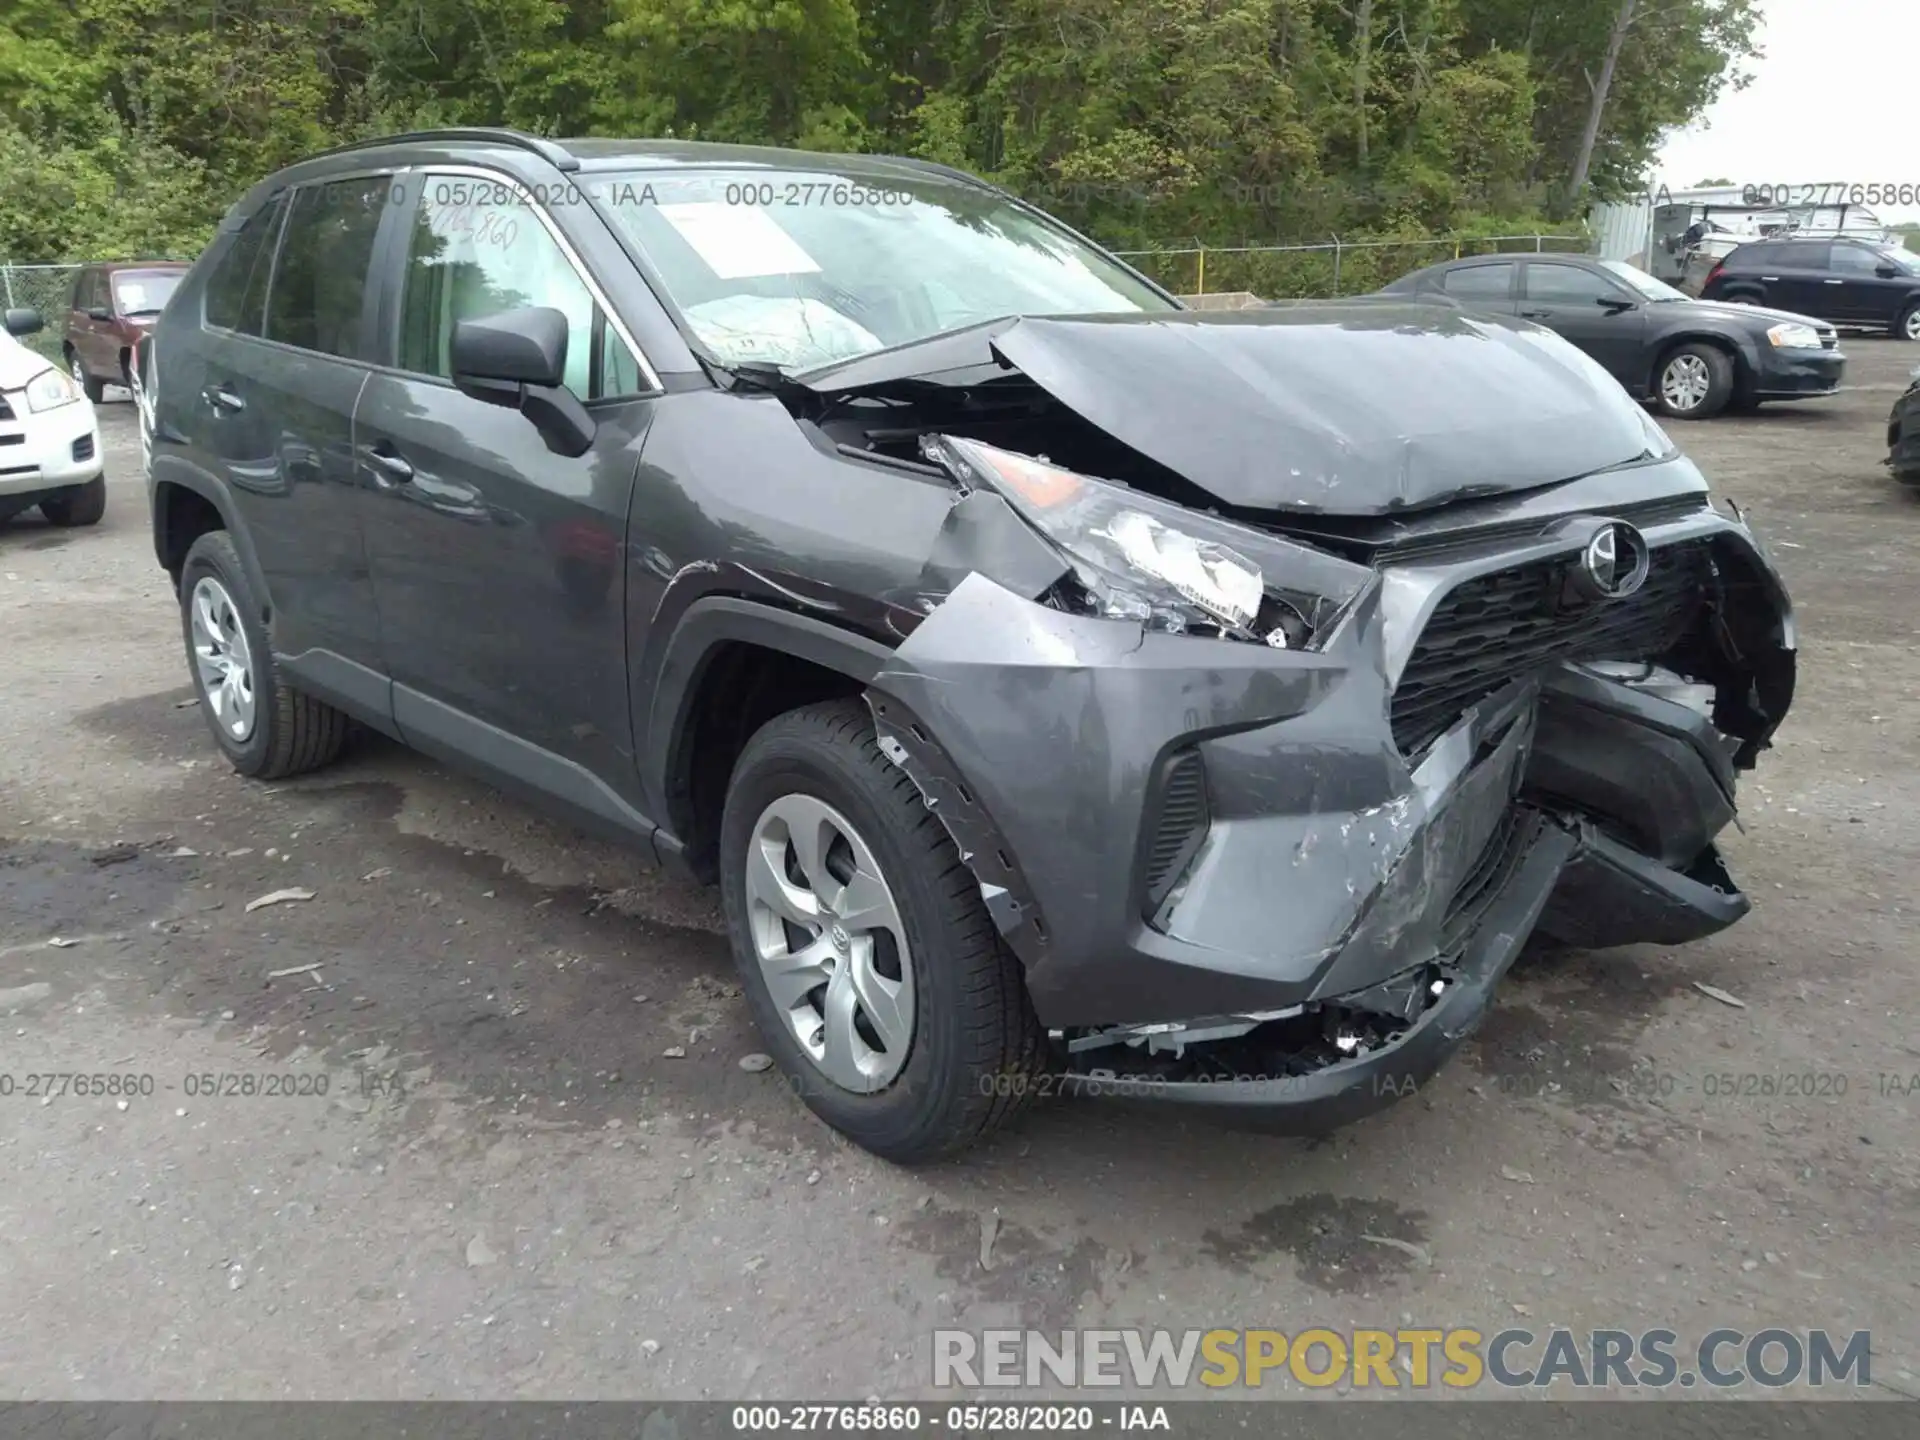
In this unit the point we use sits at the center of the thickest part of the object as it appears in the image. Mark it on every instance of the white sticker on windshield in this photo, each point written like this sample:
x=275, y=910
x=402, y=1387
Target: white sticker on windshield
x=738, y=242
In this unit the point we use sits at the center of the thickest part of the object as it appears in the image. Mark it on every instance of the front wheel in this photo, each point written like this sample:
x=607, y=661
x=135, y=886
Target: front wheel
x=1907, y=327
x=1695, y=382
x=94, y=390
x=872, y=968
x=82, y=505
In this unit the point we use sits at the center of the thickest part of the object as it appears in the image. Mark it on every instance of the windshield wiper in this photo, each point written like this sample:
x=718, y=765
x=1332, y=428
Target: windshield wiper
x=758, y=375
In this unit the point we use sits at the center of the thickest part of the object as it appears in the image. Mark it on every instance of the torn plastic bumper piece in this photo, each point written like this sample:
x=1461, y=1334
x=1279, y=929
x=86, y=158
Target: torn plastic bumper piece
x=1337, y=928
x=1270, y=1089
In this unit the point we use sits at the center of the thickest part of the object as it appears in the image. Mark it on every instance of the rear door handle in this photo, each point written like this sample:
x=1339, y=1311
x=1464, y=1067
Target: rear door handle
x=390, y=469
x=1835, y=282
x=222, y=398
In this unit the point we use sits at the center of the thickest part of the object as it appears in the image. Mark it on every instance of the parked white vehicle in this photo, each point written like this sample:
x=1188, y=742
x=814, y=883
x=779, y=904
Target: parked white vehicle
x=49, y=437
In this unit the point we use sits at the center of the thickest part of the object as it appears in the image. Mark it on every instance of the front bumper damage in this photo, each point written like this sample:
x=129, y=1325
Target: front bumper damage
x=1229, y=886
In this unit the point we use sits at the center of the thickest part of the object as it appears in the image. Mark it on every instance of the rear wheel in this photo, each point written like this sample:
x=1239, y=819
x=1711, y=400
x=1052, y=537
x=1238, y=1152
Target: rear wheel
x=264, y=728
x=1907, y=327
x=872, y=968
x=82, y=505
x=1694, y=382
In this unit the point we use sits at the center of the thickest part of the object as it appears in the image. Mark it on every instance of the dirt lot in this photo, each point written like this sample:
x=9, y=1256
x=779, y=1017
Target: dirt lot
x=512, y=1188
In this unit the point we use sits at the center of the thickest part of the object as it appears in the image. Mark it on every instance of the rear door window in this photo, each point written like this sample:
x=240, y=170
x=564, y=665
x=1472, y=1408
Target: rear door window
x=237, y=288
x=317, y=299
x=1791, y=255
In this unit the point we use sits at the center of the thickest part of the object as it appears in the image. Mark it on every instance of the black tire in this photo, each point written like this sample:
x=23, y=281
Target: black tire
x=1718, y=368
x=292, y=732
x=977, y=1051
x=82, y=505
x=1907, y=327
x=95, y=390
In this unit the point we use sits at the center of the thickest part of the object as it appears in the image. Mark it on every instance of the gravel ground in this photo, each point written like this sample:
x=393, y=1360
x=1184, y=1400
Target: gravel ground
x=516, y=1184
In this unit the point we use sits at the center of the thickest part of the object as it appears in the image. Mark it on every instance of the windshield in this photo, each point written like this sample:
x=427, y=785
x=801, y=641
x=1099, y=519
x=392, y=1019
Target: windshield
x=143, y=292
x=1649, y=287
x=802, y=270
x=1904, y=259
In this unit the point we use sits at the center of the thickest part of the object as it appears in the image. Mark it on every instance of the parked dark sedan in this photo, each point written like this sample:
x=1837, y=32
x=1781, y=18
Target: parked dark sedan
x=1847, y=281
x=1903, y=435
x=1692, y=358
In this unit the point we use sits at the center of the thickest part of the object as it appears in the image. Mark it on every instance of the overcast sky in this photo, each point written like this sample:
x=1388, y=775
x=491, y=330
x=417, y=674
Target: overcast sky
x=1831, y=100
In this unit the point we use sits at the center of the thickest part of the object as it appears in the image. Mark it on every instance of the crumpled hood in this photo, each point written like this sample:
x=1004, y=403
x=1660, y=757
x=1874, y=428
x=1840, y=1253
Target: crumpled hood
x=1358, y=409
x=18, y=364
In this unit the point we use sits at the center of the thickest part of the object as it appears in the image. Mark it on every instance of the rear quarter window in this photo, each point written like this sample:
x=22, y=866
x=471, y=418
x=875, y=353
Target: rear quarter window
x=237, y=286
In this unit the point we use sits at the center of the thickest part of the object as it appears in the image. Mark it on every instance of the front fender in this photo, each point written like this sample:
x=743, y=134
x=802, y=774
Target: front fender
x=663, y=722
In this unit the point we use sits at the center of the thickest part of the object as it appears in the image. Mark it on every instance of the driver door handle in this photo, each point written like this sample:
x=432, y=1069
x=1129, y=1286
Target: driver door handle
x=222, y=398
x=391, y=469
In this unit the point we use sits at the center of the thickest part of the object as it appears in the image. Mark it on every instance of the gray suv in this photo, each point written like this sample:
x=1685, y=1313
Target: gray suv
x=1070, y=692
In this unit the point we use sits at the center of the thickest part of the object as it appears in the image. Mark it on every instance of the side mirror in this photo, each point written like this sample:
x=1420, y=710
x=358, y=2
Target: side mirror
x=518, y=360
x=24, y=320
x=100, y=313
x=1613, y=305
x=1887, y=272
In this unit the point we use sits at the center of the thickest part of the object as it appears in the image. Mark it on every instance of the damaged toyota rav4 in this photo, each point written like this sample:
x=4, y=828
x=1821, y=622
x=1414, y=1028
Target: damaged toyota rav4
x=1068, y=691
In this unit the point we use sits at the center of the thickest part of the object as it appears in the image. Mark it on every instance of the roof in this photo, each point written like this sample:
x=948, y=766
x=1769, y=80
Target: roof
x=115, y=266
x=602, y=153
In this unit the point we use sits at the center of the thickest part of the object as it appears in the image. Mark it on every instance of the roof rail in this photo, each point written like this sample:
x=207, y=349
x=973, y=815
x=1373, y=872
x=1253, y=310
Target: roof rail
x=554, y=155
x=934, y=167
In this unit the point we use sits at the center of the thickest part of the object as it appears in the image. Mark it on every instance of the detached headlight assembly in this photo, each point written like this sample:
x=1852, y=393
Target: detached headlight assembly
x=1790, y=336
x=1135, y=557
x=51, y=389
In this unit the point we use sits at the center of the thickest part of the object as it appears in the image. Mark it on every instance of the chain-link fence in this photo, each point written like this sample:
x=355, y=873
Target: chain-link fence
x=1329, y=268
x=46, y=288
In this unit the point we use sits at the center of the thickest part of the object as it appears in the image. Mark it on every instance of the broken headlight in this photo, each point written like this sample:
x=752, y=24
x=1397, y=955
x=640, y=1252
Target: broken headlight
x=1135, y=557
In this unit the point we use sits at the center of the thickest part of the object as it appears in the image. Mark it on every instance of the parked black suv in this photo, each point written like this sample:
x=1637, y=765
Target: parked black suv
x=742, y=503
x=1844, y=282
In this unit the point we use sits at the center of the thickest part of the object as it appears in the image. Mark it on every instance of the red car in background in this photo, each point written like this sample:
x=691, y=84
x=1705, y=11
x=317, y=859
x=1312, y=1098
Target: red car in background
x=113, y=306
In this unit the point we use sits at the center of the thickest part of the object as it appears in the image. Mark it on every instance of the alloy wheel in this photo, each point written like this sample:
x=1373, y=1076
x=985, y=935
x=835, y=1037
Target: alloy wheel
x=1912, y=325
x=1685, y=382
x=223, y=658
x=828, y=935
x=76, y=369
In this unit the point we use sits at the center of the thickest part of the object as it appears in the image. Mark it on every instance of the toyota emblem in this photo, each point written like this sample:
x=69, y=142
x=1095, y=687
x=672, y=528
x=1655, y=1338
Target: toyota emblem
x=1614, y=564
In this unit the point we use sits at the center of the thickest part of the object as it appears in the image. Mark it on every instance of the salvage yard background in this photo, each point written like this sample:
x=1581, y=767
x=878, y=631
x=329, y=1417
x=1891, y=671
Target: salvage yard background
x=539, y=1168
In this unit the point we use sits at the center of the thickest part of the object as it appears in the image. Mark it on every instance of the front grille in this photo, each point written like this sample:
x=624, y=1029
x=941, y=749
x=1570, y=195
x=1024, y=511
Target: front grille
x=83, y=448
x=1643, y=513
x=1493, y=628
x=1179, y=827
